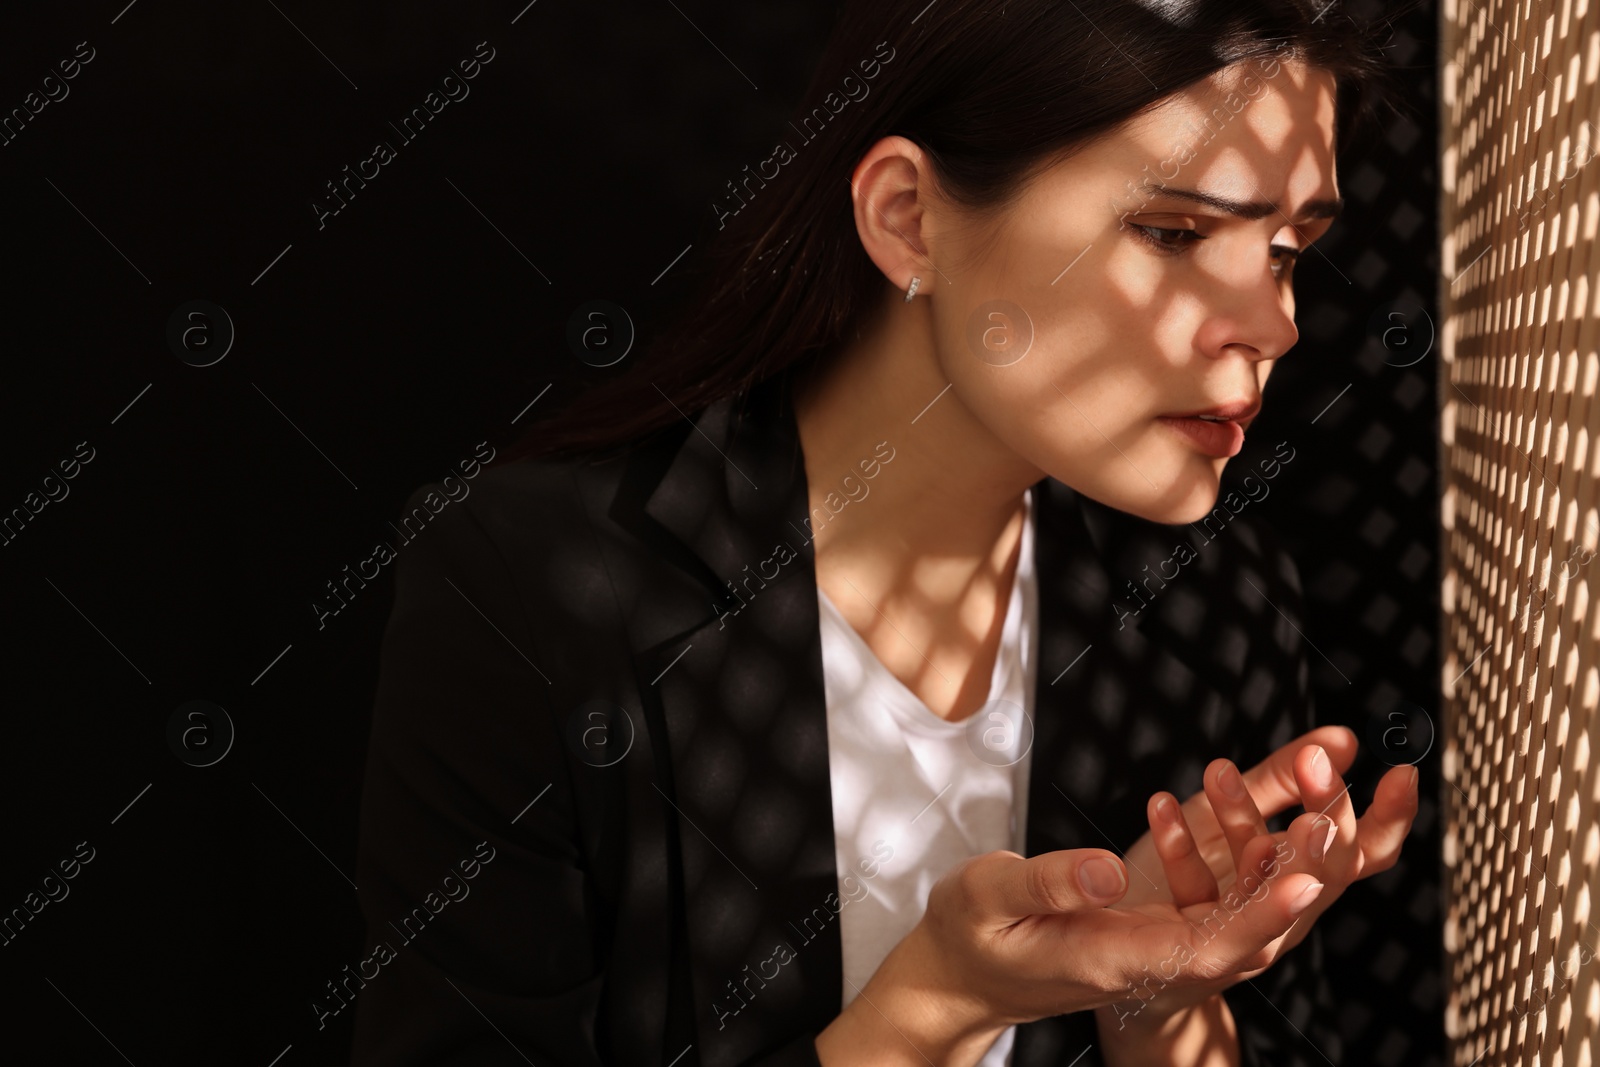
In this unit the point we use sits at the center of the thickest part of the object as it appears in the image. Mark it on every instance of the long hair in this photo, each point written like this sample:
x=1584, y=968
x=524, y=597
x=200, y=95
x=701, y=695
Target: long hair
x=990, y=90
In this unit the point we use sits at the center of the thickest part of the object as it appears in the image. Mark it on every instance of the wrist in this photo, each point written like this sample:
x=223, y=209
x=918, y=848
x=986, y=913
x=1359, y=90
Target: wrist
x=918, y=970
x=1134, y=1035
x=1137, y=1020
x=910, y=1012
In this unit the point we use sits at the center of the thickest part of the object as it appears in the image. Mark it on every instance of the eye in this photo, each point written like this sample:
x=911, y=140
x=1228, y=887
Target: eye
x=1285, y=257
x=1164, y=239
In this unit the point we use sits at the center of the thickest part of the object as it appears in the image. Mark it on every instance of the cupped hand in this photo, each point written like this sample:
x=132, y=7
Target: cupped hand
x=1008, y=940
x=1215, y=899
x=1207, y=851
x=1274, y=785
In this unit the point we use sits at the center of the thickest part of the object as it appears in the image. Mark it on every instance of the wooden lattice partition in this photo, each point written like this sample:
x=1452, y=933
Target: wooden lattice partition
x=1520, y=300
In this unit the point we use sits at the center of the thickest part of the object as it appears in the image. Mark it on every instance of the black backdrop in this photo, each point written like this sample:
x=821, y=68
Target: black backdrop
x=373, y=349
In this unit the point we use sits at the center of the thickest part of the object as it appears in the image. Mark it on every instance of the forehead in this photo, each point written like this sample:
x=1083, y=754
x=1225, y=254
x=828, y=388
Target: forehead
x=1264, y=123
x=1263, y=120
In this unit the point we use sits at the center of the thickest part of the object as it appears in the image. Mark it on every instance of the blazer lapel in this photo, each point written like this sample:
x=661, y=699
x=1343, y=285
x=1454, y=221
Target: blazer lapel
x=730, y=663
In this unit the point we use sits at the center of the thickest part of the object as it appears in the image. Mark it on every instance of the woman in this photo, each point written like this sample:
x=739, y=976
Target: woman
x=792, y=700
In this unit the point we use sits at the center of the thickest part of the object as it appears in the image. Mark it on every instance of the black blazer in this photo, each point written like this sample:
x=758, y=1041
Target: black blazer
x=594, y=795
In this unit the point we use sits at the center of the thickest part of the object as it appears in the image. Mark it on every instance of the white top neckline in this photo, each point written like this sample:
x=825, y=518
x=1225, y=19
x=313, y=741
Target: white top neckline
x=915, y=794
x=909, y=709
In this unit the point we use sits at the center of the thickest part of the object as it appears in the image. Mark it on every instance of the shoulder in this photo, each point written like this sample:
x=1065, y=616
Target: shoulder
x=556, y=553
x=520, y=510
x=499, y=503
x=498, y=585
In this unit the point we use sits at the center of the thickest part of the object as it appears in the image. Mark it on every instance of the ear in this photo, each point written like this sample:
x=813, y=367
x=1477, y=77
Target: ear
x=890, y=191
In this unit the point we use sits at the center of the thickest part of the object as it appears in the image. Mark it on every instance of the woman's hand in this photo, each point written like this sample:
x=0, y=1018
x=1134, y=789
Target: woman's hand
x=1210, y=864
x=1007, y=940
x=1274, y=785
x=1263, y=859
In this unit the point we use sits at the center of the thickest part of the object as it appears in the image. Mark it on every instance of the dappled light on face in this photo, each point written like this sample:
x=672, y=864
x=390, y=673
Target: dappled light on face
x=1173, y=291
x=1271, y=154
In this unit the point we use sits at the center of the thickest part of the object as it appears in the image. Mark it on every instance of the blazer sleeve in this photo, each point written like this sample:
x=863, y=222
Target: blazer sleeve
x=1287, y=1016
x=481, y=945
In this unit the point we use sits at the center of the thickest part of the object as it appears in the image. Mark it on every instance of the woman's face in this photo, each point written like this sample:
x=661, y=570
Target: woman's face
x=1092, y=324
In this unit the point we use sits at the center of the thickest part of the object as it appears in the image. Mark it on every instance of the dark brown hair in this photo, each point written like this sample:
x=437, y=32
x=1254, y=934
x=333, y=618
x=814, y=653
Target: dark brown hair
x=990, y=90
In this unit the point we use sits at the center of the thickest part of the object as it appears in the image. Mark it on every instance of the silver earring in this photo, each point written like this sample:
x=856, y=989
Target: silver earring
x=911, y=291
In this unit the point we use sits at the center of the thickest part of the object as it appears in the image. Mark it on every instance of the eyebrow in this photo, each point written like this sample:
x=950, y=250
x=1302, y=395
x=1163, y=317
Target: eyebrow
x=1249, y=209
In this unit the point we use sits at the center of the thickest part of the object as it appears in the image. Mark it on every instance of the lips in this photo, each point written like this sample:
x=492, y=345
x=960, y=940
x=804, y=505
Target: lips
x=1240, y=411
x=1218, y=431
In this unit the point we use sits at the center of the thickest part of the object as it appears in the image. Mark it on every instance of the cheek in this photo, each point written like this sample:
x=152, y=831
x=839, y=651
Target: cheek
x=1063, y=357
x=1081, y=405
x=1056, y=370
x=1072, y=407
x=1014, y=332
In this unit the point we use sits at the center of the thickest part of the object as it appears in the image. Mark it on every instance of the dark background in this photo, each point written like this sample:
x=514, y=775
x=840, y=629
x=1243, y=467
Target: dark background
x=377, y=352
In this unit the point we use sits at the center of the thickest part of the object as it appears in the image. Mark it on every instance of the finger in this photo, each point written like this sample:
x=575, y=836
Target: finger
x=1326, y=793
x=1272, y=782
x=1383, y=827
x=1188, y=875
x=1004, y=885
x=1239, y=932
x=1301, y=850
x=1304, y=846
x=1235, y=812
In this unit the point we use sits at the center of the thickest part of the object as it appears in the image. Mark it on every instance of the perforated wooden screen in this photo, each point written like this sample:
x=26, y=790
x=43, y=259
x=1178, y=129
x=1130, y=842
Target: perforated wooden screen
x=1520, y=210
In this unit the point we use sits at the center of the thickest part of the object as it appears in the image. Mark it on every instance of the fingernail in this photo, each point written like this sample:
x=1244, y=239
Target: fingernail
x=1322, y=831
x=1321, y=770
x=1414, y=776
x=1100, y=877
x=1167, y=808
x=1304, y=899
x=1232, y=785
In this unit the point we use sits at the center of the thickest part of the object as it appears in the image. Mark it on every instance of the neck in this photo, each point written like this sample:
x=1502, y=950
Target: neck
x=949, y=501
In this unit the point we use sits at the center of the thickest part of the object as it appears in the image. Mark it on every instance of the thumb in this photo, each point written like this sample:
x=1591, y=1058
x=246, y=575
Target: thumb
x=1056, y=882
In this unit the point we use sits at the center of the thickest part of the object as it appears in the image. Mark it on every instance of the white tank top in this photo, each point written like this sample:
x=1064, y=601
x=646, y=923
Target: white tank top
x=914, y=794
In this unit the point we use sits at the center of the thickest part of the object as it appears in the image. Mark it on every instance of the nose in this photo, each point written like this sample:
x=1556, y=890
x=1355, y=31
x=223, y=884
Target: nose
x=1249, y=315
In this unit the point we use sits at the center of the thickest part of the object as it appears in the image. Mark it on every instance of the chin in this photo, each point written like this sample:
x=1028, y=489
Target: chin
x=1190, y=513
x=1190, y=497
